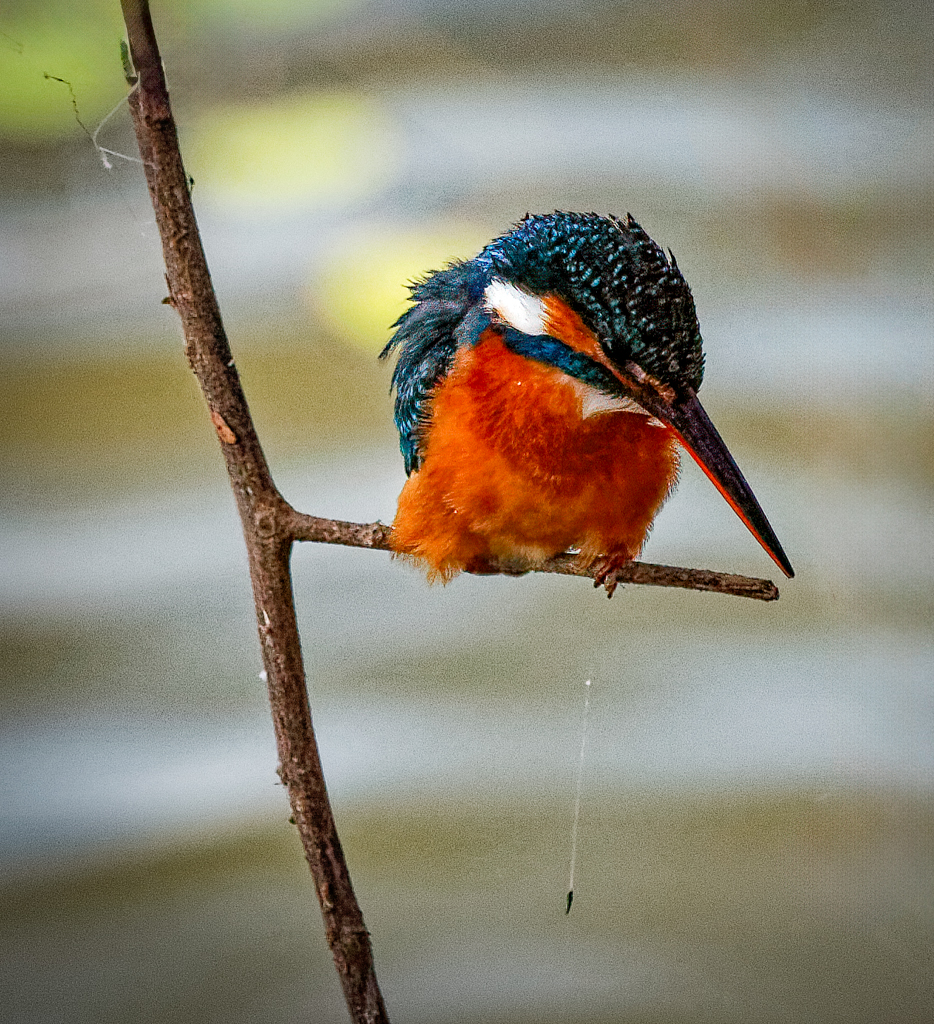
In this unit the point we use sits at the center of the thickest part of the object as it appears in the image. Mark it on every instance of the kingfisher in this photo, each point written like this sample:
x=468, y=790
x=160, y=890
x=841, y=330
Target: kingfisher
x=543, y=391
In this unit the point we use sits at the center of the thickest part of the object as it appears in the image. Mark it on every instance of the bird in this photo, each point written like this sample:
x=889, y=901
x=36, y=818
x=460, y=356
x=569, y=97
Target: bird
x=543, y=392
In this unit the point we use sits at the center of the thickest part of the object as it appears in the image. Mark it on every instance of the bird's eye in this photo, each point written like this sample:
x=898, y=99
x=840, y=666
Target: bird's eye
x=646, y=380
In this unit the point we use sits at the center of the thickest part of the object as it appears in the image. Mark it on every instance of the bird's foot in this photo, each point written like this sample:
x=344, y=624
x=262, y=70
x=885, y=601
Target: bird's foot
x=608, y=570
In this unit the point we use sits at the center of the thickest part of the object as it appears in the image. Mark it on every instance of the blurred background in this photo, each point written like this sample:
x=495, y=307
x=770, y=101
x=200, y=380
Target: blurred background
x=757, y=826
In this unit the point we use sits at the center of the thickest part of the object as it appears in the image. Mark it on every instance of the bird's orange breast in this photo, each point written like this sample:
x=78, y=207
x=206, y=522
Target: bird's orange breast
x=513, y=468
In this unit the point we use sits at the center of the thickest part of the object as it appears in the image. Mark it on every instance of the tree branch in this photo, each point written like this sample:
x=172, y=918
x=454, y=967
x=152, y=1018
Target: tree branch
x=378, y=537
x=271, y=525
x=264, y=514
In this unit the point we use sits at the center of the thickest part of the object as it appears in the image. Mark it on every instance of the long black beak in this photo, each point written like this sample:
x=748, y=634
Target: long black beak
x=686, y=417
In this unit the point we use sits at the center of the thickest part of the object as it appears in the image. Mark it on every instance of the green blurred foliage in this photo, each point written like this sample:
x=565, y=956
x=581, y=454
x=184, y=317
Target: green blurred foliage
x=80, y=43
x=293, y=152
x=364, y=287
x=77, y=43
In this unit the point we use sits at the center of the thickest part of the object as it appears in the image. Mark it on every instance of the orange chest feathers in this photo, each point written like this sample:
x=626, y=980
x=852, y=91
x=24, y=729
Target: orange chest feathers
x=522, y=462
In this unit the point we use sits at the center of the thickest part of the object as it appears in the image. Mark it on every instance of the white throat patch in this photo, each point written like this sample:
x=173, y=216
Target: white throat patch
x=520, y=309
x=594, y=402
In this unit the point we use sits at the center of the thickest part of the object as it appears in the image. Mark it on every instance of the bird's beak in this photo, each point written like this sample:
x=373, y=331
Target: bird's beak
x=682, y=413
x=686, y=417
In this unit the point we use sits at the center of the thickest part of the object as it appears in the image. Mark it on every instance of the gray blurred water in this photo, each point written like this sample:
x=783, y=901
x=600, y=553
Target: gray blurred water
x=757, y=829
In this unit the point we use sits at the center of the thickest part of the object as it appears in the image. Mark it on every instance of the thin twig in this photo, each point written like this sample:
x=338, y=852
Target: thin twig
x=379, y=537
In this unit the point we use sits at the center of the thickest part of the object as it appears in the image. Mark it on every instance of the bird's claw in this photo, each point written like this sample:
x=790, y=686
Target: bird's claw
x=607, y=573
x=609, y=581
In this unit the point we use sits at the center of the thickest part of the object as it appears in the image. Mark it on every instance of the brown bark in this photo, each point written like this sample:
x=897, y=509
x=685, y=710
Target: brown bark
x=266, y=517
x=378, y=537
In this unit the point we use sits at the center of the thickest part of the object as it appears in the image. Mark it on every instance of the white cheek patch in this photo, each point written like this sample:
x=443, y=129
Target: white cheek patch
x=521, y=310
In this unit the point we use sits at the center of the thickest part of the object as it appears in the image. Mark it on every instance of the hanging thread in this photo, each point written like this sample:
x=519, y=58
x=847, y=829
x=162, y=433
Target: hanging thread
x=577, y=800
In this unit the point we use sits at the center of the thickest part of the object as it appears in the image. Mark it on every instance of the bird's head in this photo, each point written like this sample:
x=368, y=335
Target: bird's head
x=616, y=279
x=595, y=297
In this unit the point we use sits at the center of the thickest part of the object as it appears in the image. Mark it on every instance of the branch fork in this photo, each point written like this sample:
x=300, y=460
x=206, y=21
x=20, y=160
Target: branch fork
x=271, y=525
